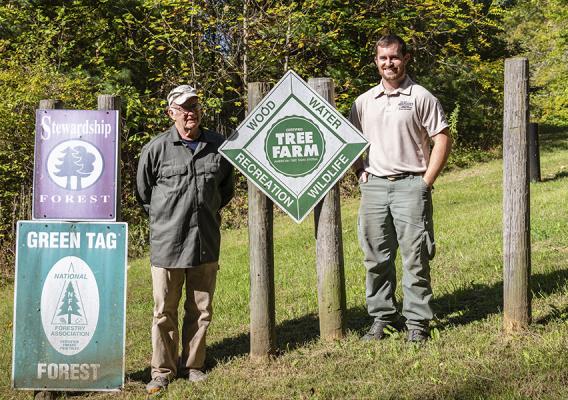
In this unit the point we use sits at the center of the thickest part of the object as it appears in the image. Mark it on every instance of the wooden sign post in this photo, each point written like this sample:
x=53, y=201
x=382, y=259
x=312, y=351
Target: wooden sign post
x=110, y=102
x=329, y=247
x=294, y=147
x=48, y=104
x=516, y=198
x=261, y=253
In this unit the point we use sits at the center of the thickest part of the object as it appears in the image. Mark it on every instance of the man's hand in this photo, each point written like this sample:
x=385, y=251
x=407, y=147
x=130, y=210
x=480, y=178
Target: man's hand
x=363, y=176
x=438, y=157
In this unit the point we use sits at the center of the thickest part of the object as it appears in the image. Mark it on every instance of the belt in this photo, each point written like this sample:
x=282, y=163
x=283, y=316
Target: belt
x=396, y=177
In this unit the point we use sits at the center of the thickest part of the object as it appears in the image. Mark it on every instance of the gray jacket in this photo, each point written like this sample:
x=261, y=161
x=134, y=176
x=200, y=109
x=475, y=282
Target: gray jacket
x=182, y=193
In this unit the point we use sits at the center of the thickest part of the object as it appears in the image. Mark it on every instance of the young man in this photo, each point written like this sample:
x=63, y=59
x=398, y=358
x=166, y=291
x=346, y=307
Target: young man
x=399, y=119
x=182, y=183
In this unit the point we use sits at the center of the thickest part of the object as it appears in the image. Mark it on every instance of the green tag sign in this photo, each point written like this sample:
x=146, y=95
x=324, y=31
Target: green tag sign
x=69, y=306
x=294, y=146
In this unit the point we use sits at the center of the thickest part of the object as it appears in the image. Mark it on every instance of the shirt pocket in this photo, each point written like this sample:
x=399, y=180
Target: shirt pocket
x=211, y=170
x=212, y=197
x=172, y=179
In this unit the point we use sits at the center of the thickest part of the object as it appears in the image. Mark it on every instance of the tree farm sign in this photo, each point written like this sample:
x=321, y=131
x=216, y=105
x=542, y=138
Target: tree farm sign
x=294, y=146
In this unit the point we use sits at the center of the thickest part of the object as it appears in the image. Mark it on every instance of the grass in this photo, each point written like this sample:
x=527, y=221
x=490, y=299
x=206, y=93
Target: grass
x=468, y=357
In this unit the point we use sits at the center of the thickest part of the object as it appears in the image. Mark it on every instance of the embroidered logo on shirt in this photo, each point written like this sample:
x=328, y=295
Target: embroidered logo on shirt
x=405, y=105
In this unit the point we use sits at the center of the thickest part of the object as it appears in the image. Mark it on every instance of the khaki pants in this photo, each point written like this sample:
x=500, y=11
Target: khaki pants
x=167, y=284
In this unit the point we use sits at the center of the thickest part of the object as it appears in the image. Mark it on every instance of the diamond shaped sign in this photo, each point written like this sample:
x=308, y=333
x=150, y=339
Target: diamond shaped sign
x=294, y=146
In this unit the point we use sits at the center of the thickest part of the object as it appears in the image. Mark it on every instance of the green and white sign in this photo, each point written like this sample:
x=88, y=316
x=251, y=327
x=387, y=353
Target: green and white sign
x=69, y=306
x=294, y=146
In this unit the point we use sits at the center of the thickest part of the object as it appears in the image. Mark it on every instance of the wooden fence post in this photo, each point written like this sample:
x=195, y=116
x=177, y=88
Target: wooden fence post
x=516, y=196
x=329, y=247
x=110, y=102
x=261, y=253
x=534, y=153
x=48, y=104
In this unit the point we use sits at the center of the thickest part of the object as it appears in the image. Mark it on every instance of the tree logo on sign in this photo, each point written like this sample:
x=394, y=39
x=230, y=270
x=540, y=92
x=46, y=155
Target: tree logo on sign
x=74, y=165
x=294, y=146
x=70, y=305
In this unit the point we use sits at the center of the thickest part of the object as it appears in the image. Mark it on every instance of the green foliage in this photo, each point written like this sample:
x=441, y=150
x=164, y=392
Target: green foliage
x=22, y=87
x=537, y=29
x=453, y=120
x=139, y=49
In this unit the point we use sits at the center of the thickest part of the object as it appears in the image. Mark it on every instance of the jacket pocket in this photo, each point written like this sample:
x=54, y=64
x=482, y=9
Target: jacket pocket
x=210, y=190
x=211, y=169
x=172, y=178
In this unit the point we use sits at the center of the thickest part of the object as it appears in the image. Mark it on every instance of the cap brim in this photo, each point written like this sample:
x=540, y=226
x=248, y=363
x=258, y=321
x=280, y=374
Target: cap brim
x=182, y=98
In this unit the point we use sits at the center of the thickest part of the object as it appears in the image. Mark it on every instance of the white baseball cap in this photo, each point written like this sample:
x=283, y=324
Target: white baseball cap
x=181, y=94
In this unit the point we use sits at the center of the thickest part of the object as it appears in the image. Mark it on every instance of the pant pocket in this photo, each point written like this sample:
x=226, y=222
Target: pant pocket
x=428, y=245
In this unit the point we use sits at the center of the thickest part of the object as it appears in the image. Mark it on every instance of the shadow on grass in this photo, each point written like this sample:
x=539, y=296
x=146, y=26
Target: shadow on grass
x=290, y=335
x=555, y=314
x=556, y=176
x=142, y=375
x=477, y=301
x=463, y=306
x=552, y=137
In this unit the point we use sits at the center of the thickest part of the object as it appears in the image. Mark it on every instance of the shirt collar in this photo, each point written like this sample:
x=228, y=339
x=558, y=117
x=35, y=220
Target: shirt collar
x=204, y=137
x=404, y=88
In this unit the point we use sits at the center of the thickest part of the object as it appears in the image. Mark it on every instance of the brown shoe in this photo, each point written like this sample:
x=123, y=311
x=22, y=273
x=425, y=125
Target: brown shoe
x=196, y=375
x=157, y=384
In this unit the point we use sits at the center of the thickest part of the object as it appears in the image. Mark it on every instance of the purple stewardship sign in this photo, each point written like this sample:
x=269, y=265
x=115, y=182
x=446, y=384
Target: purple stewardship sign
x=75, y=171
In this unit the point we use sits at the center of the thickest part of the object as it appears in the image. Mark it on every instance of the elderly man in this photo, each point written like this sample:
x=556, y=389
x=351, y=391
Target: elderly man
x=182, y=183
x=399, y=119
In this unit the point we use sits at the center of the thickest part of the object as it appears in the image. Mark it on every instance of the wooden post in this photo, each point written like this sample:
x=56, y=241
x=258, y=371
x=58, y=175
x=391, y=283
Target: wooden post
x=261, y=253
x=329, y=247
x=109, y=102
x=534, y=153
x=48, y=104
x=516, y=205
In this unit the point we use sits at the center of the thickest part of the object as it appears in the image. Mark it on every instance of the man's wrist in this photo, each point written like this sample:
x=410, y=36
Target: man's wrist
x=427, y=181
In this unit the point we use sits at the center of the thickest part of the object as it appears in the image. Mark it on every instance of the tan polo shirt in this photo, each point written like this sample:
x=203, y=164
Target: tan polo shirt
x=398, y=126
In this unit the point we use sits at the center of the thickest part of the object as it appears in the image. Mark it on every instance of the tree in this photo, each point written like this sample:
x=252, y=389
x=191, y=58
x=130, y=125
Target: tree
x=69, y=304
x=140, y=49
x=68, y=167
x=85, y=160
x=537, y=29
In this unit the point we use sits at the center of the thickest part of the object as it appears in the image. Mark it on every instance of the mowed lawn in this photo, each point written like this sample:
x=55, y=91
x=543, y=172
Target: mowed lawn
x=468, y=357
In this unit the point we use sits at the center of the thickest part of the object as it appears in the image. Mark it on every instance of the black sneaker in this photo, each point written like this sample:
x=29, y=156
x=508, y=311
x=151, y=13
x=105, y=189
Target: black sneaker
x=380, y=329
x=417, y=335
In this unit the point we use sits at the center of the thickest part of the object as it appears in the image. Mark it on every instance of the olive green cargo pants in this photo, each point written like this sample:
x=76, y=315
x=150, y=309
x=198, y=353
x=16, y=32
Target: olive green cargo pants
x=397, y=214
